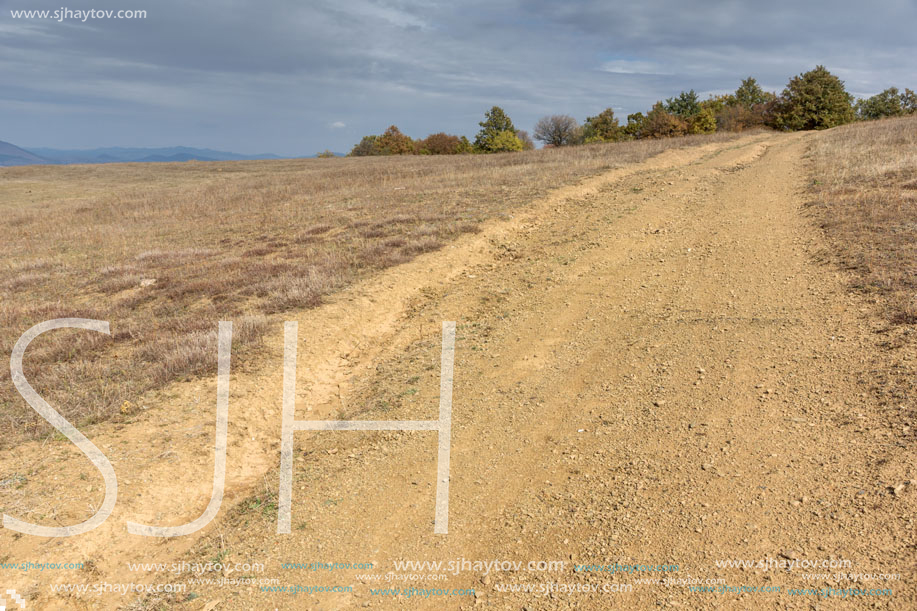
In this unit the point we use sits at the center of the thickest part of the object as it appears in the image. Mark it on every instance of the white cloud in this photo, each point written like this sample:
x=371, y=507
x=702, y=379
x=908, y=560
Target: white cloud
x=338, y=125
x=626, y=66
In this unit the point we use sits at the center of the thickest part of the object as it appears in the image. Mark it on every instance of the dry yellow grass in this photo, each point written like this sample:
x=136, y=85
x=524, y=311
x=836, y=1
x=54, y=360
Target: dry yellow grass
x=164, y=251
x=865, y=186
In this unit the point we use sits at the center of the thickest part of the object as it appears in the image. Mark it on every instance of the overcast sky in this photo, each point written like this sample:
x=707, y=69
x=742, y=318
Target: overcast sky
x=294, y=77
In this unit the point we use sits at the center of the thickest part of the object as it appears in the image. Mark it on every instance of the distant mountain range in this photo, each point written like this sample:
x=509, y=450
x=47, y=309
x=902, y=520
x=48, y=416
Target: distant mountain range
x=12, y=155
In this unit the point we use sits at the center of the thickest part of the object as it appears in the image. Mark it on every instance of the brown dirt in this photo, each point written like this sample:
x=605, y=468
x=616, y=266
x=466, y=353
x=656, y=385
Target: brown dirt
x=650, y=369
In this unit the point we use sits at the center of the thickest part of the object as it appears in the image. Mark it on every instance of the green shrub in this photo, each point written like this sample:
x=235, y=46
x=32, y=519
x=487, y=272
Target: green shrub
x=634, y=125
x=392, y=142
x=686, y=105
x=603, y=127
x=505, y=142
x=365, y=148
x=889, y=103
x=464, y=146
x=814, y=100
x=749, y=94
x=717, y=104
x=704, y=122
x=495, y=123
x=909, y=101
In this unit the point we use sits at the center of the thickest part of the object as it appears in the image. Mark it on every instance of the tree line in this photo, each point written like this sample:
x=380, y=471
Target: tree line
x=497, y=135
x=815, y=99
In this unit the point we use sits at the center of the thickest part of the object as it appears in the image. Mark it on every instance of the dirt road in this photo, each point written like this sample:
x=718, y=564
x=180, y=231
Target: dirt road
x=651, y=369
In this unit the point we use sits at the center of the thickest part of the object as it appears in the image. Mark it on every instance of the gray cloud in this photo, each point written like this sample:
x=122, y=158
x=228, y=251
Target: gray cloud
x=276, y=75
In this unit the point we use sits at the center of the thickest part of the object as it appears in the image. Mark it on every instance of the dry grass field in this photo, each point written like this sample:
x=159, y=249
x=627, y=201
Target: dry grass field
x=164, y=251
x=667, y=368
x=865, y=189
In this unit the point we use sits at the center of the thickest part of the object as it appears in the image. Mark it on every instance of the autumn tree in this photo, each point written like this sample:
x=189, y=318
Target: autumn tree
x=393, y=142
x=557, y=130
x=660, y=123
x=443, y=144
x=603, y=127
x=525, y=139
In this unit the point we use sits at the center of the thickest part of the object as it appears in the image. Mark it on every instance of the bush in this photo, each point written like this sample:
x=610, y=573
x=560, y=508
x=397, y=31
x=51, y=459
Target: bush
x=686, y=105
x=660, y=123
x=602, y=128
x=634, y=127
x=393, y=142
x=749, y=94
x=557, y=130
x=889, y=103
x=814, y=100
x=443, y=144
x=718, y=104
x=704, y=122
x=505, y=142
x=735, y=119
x=525, y=139
x=494, y=124
x=689, y=111
x=909, y=100
x=365, y=148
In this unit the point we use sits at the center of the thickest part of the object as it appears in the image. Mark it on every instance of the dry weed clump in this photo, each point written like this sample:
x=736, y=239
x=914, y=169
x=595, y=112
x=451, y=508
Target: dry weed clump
x=165, y=251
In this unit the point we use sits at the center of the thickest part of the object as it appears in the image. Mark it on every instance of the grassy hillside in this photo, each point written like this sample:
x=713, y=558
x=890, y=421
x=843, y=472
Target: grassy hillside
x=865, y=187
x=164, y=251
